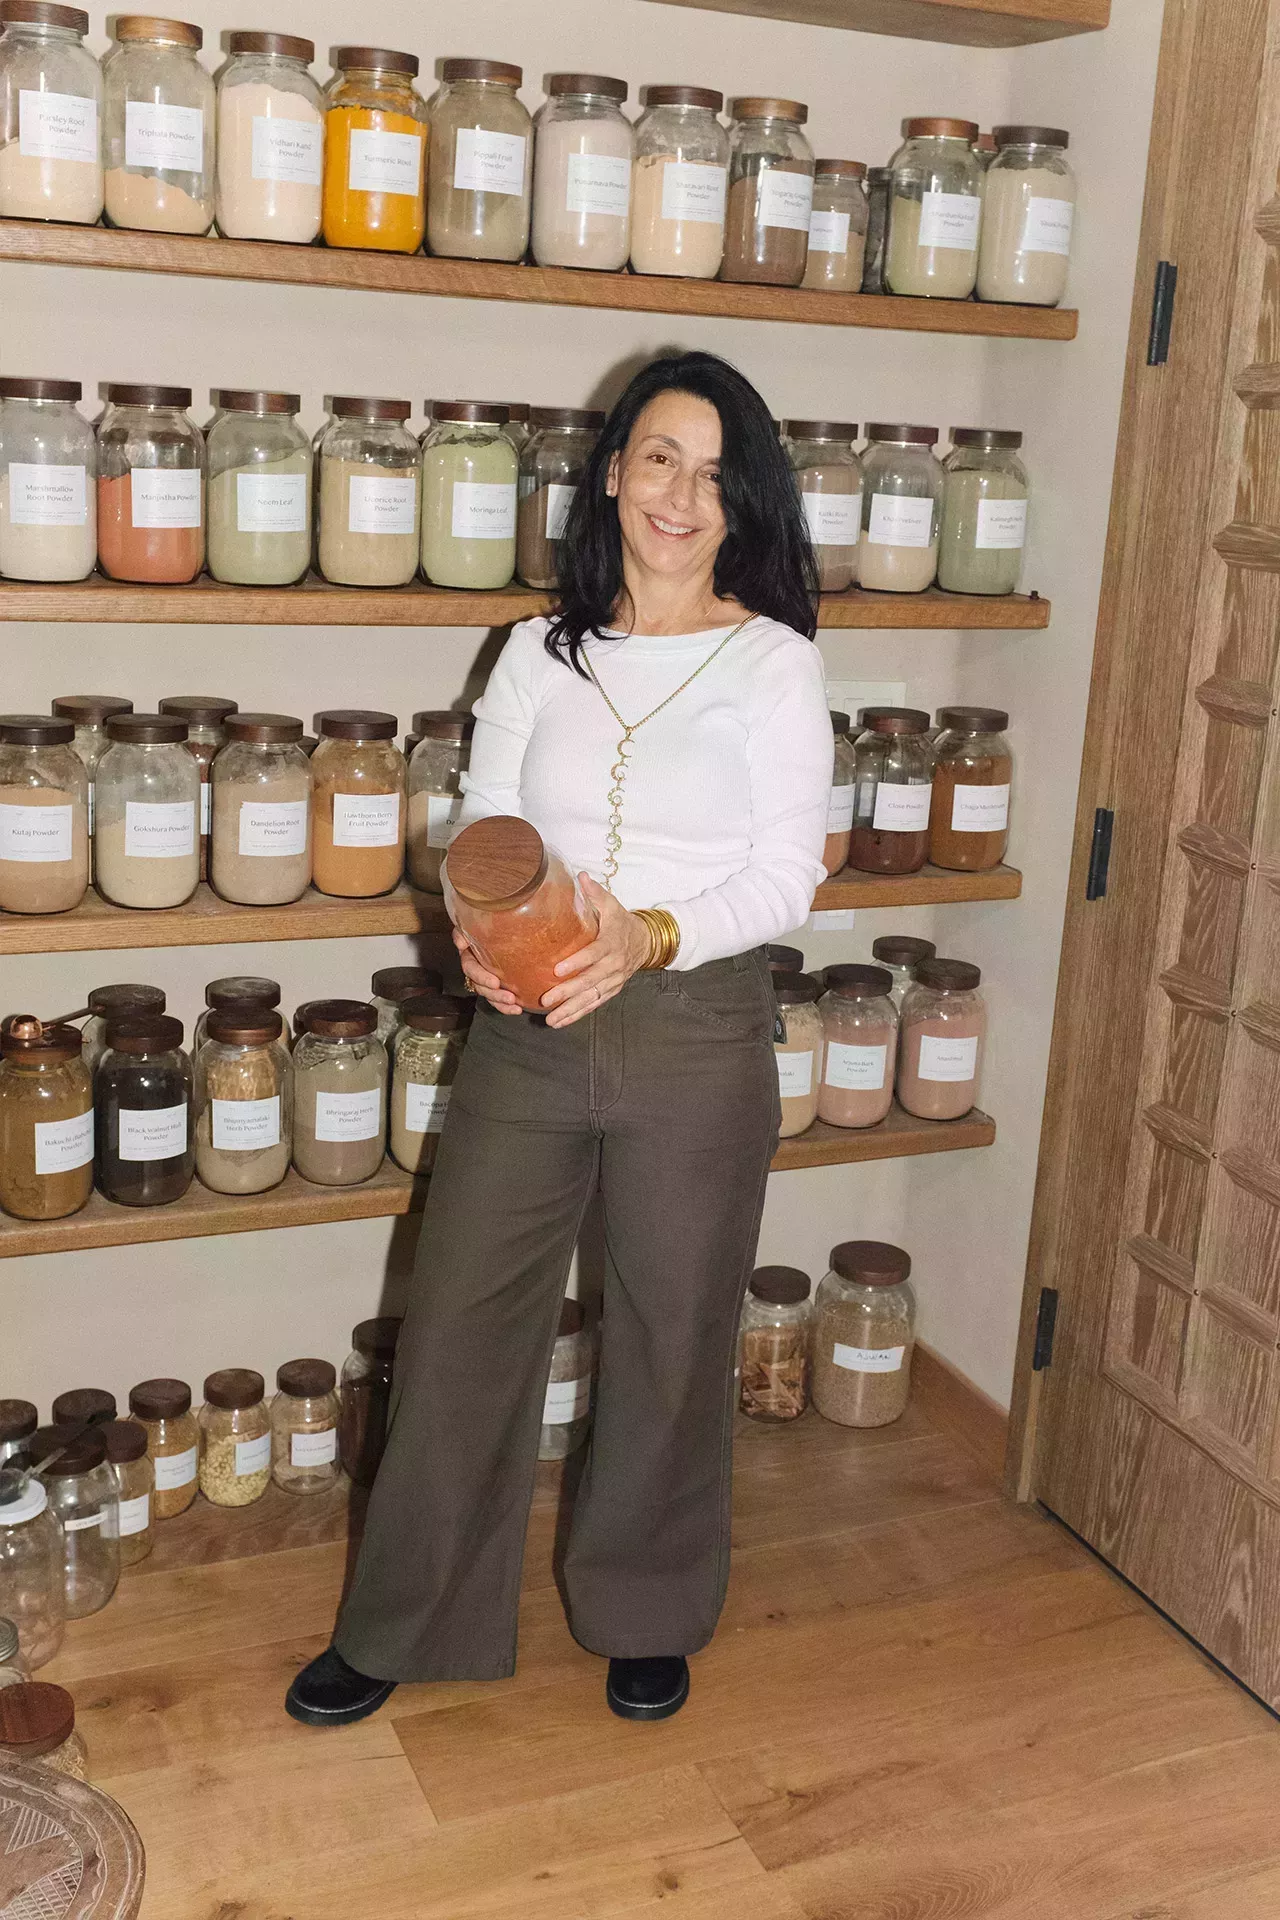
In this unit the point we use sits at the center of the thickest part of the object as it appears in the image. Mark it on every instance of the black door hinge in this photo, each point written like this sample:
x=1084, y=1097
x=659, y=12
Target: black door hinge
x=1095, y=885
x=1046, y=1320
x=1162, y=313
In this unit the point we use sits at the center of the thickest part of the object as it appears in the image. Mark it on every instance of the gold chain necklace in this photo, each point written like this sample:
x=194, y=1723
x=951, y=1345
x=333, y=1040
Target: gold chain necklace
x=618, y=771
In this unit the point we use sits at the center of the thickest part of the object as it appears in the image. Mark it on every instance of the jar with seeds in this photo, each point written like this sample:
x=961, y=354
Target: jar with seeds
x=235, y=1438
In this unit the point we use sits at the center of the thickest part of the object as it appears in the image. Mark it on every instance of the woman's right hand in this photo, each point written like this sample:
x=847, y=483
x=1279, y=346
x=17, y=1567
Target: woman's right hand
x=481, y=979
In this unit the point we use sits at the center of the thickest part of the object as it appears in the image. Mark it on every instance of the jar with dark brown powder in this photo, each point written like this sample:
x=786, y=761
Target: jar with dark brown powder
x=143, y=1093
x=893, y=777
x=969, y=822
x=766, y=240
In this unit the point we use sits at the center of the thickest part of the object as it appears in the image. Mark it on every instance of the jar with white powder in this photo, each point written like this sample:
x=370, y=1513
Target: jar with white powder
x=984, y=512
x=935, y=211
x=582, y=174
x=147, y=813
x=259, y=489
x=369, y=494
x=48, y=498
x=159, y=127
x=50, y=115
x=837, y=227
x=270, y=140
x=829, y=476
x=1028, y=208
x=681, y=182
x=260, y=853
x=44, y=815
x=901, y=509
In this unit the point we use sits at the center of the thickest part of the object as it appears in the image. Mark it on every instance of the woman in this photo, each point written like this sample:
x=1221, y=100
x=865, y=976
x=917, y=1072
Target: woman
x=686, y=616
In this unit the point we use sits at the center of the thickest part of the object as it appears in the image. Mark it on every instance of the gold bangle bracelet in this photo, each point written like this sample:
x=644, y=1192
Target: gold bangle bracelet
x=664, y=934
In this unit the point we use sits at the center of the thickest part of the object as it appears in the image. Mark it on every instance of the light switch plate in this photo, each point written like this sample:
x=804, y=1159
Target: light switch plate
x=849, y=696
x=832, y=920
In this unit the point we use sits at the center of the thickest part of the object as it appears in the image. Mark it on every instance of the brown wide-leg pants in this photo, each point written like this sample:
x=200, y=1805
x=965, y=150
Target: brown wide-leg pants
x=666, y=1100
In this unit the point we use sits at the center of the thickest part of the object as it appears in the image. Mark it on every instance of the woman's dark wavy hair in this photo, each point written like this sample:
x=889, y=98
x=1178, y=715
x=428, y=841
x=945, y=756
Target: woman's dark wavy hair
x=765, y=560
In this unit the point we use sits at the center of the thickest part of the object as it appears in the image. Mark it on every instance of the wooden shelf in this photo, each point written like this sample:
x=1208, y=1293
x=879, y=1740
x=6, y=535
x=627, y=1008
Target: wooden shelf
x=297, y=1203
x=313, y=602
x=963, y=23
x=351, y=268
x=931, y=887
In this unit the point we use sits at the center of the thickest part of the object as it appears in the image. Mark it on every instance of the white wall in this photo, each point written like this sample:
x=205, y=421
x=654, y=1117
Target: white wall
x=184, y=1307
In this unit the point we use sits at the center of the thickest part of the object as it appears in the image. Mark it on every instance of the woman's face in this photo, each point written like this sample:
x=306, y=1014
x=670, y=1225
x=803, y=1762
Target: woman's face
x=666, y=481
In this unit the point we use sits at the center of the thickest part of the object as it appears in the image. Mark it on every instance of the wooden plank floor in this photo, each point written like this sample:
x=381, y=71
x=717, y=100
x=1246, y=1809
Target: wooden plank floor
x=922, y=1704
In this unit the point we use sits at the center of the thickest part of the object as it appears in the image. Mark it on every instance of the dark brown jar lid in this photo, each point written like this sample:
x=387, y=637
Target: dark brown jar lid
x=77, y=1452
x=355, y=723
x=902, y=436
x=306, y=1379
x=784, y=959
x=949, y=976
x=780, y=1286
x=431, y=1013
x=894, y=720
x=83, y=1403
x=148, y=26
x=249, y=1024
x=872, y=1263
x=989, y=439
x=43, y=13
x=902, y=949
x=879, y=176
x=443, y=725
x=480, y=412
x=302, y=1015
x=160, y=1399
x=18, y=1418
x=850, y=169
x=126, y=996
x=404, y=983
x=144, y=1033
x=124, y=1440
x=288, y=45
x=857, y=982
x=840, y=722
x=308, y=743
x=573, y=1318
x=378, y=1335
x=234, y=1387
x=795, y=989
x=601, y=83
x=198, y=709
x=568, y=419
x=264, y=729
x=255, y=399
x=375, y=60
x=242, y=989
x=972, y=719
x=940, y=126
x=666, y=96
x=35, y=730
x=497, y=862
x=354, y=406
x=89, y=707
x=24, y=1037
x=755, y=106
x=147, y=729
x=340, y=1019
x=16, y=389
x=36, y=1718
x=1030, y=137
x=845, y=430
x=500, y=70
x=135, y=393
x=519, y=411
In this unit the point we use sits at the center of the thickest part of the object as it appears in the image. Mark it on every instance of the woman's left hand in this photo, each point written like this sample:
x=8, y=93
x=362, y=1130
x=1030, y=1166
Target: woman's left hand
x=597, y=972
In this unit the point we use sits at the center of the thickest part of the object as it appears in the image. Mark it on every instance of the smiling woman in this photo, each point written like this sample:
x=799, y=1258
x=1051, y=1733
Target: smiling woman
x=666, y=730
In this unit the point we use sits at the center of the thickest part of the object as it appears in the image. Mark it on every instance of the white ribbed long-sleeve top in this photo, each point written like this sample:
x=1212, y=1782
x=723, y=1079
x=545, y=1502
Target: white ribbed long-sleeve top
x=724, y=809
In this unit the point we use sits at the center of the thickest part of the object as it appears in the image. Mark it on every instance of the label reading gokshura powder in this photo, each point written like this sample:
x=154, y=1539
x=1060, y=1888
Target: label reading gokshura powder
x=835, y=519
x=566, y=1400
x=291, y=150
x=786, y=199
x=950, y=220
x=349, y=1116
x=384, y=162
x=160, y=829
x=1047, y=227
x=64, y=1145
x=366, y=820
x=135, y=1515
x=46, y=496
x=980, y=809
x=855, y=1067
x=795, y=1075
x=868, y=1359
x=901, y=809
x=163, y=138
x=840, y=809
x=165, y=496
x=947, y=1059
x=271, y=503
x=313, y=1449
x=900, y=520
x=692, y=191
x=598, y=183
x=36, y=835
x=253, y=1455
x=1001, y=523
x=486, y=162
x=559, y=501
x=425, y=1107
x=245, y=1126
x=175, y=1470
x=483, y=511
x=828, y=232
x=159, y=1133
x=379, y=505
x=57, y=126
x=270, y=829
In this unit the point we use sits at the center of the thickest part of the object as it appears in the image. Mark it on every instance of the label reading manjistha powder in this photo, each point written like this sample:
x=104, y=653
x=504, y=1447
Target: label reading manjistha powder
x=290, y=150
x=243, y=1126
x=158, y=1133
x=165, y=496
x=856, y=1067
x=64, y=1145
x=46, y=496
x=163, y=138
x=271, y=503
x=947, y=1059
x=313, y=1449
x=486, y=162
x=35, y=835
x=366, y=820
x=159, y=829
x=786, y=199
x=1047, y=227
x=349, y=1116
x=598, y=183
x=950, y=220
x=900, y=808
x=980, y=809
x=828, y=232
x=868, y=1359
x=795, y=1075
x=57, y=126
x=1001, y=523
x=384, y=162
x=253, y=1455
x=900, y=520
x=483, y=511
x=691, y=191
x=425, y=1107
x=559, y=501
x=379, y=505
x=270, y=829
x=834, y=518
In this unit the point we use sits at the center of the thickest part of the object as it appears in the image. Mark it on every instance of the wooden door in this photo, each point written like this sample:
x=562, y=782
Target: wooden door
x=1155, y=1430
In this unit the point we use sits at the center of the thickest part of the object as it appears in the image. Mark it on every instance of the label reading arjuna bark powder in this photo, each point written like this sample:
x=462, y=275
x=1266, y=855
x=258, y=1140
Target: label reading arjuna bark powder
x=859, y=1067
x=868, y=1359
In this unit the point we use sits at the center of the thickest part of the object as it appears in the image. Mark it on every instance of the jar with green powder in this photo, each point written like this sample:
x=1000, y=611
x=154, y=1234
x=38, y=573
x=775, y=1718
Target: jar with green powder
x=469, y=477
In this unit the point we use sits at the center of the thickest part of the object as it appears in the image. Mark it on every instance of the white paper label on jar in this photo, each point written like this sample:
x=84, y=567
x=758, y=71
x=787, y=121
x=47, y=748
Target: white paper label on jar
x=243, y=1126
x=158, y=1133
x=92, y=790
x=165, y=496
x=64, y=1145
x=60, y=126
x=862, y=1068
x=692, y=191
x=559, y=501
x=83, y=1521
x=795, y=1075
x=566, y=1400
x=206, y=807
x=840, y=809
x=425, y=1107
x=271, y=503
x=900, y=520
x=1047, y=226
x=1001, y=523
x=160, y=829
x=980, y=809
x=947, y=1059
x=381, y=505
x=901, y=809
x=486, y=162
x=253, y=1455
x=366, y=820
x=868, y=1359
x=135, y=1515
x=384, y=162
x=163, y=137
x=950, y=220
x=835, y=519
x=46, y=496
x=828, y=231
x=598, y=183
x=786, y=199
x=36, y=835
x=483, y=510
x=349, y=1116
x=175, y=1470
x=442, y=817
x=271, y=829
x=313, y=1449
x=290, y=150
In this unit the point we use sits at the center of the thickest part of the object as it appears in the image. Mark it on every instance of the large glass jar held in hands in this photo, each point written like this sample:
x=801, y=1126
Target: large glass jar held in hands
x=517, y=903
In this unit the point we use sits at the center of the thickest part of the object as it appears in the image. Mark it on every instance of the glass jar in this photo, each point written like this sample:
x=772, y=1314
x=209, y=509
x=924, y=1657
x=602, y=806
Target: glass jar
x=46, y=1120
x=517, y=427
x=50, y=107
x=860, y=1038
x=773, y=1345
x=304, y=1427
x=358, y=805
x=944, y=1031
x=551, y=466
x=270, y=140
x=38, y=1729
x=237, y=990
x=864, y=1330
x=259, y=490
x=205, y=715
x=89, y=712
x=479, y=186
x=900, y=954
x=984, y=512
x=835, y=852
x=369, y=498
x=82, y=1406
x=517, y=903
x=984, y=148
x=84, y=1501
x=901, y=509
x=108, y=1003
x=159, y=122
x=766, y=238
x=424, y=1060
x=470, y=472
x=879, y=194
x=135, y=1478
x=48, y=463
x=235, y=1438
x=14, y=1668
x=783, y=960
x=973, y=769
x=375, y=151
x=435, y=793
x=797, y=1046
x=243, y=1101
x=566, y=1412
x=1029, y=204
x=366, y=1396
x=837, y=228
x=261, y=801
x=390, y=987
x=142, y=1098
x=150, y=486
x=146, y=841
x=18, y=1421
x=162, y=1409
x=339, y=1094
x=829, y=476
x=32, y=1591
x=44, y=815
x=893, y=777
x=935, y=211
x=681, y=178
x=582, y=174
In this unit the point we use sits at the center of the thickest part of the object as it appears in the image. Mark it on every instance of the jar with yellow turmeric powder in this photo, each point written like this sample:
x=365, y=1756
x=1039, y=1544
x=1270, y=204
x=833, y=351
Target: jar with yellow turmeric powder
x=375, y=162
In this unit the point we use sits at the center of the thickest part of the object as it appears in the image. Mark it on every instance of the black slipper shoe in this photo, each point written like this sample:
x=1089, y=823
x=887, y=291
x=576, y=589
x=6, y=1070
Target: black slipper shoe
x=649, y=1689
x=329, y=1693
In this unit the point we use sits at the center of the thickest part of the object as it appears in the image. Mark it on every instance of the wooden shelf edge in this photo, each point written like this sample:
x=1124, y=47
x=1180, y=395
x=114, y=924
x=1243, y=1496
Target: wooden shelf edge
x=931, y=887
x=964, y=23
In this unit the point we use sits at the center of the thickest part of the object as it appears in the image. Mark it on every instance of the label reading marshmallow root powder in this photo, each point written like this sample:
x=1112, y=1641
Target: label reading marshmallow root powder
x=950, y=220
x=46, y=496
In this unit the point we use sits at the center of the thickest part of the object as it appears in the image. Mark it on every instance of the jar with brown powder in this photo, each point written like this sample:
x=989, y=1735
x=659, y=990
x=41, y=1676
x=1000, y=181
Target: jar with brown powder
x=969, y=821
x=860, y=1035
x=162, y=1409
x=243, y=1101
x=358, y=804
x=944, y=1033
x=863, y=1335
x=797, y=1049
x=551, y=465
x=261, y=794
x=46, y=1120
x=340, y=1094
x=893, y=781
x=44, y=815
x=766, y=240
